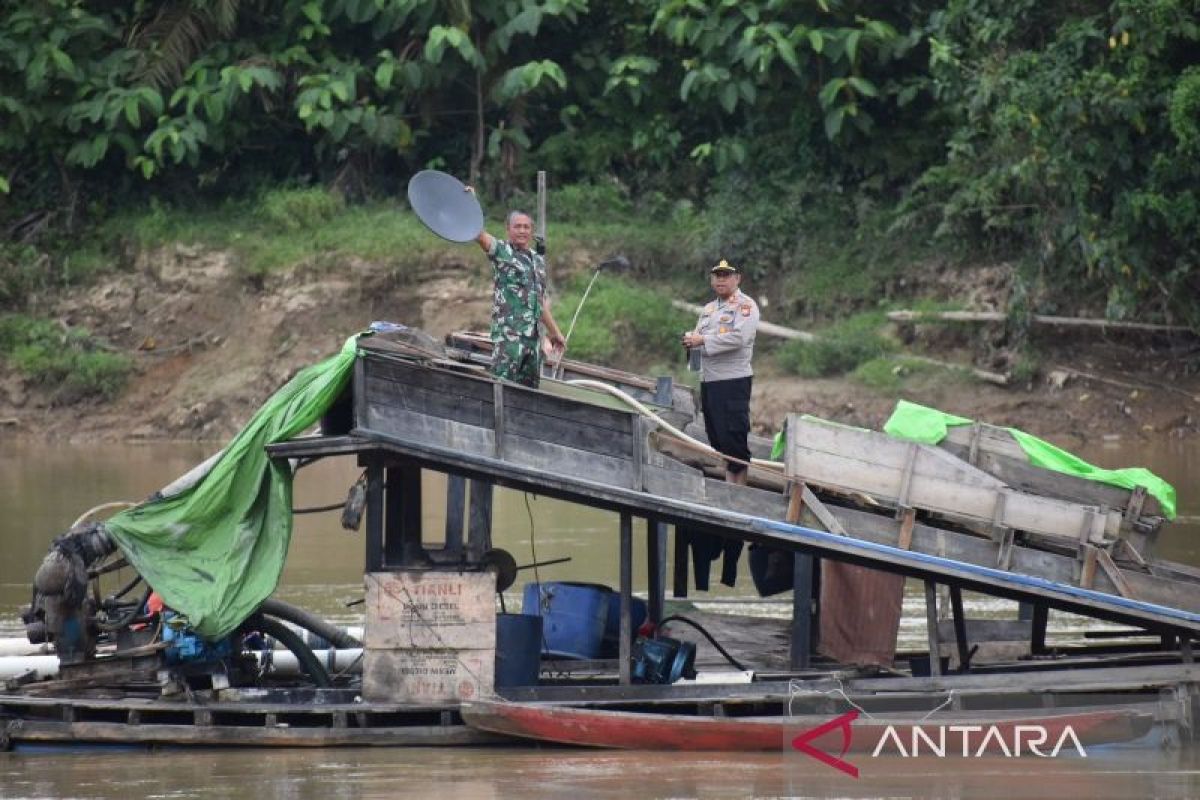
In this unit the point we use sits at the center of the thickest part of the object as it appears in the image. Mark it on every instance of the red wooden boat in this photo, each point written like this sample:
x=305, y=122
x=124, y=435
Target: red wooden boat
x=1026, y=732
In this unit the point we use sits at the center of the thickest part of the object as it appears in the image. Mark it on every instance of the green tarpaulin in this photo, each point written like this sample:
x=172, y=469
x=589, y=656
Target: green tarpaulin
x=215, y=551
x=929, y=426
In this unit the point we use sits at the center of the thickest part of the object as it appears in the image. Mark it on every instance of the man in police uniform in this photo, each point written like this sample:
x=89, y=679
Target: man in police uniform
x=725, y=337
x=520, y=312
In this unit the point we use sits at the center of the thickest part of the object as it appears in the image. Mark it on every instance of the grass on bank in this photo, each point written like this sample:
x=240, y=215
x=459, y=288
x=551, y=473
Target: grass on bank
x=68, y=362
x=281, y=228
x=621, y=323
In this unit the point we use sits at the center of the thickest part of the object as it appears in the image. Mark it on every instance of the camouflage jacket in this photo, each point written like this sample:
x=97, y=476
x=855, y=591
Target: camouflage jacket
x=520, y=289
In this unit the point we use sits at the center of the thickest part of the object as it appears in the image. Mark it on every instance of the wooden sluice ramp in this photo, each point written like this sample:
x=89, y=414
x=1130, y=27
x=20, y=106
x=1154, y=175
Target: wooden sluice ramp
x=585, y=447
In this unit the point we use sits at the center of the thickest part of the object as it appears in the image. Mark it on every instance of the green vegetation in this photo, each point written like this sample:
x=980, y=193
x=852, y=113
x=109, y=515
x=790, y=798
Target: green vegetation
x=838, y=349
x=621, y=321
x=66, y=361
x=822, y=145
x=892, y=375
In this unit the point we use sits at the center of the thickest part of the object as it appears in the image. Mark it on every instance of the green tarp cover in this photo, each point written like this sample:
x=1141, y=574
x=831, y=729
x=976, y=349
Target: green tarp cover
x=929, y=426
x=215, y=551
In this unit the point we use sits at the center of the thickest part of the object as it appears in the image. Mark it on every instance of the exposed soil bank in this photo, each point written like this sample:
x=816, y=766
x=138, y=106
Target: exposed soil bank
x=210, y=347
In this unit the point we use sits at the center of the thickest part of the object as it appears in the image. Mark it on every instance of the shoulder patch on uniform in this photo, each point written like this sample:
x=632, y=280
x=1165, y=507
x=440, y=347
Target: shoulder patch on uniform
x=746, y=308
x=708, y=309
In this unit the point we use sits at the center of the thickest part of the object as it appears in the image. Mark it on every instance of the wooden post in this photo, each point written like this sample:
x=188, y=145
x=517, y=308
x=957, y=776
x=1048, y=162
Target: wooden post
x=1041, y=615
x=374, y=555
x=802, y=617
x=479, y=524
x=679, y=571
x=935, y=649
x=800, y=655
x=656, y=568
x=625, y=668
x=960, y=629
x=402, y=515
x=456, y=498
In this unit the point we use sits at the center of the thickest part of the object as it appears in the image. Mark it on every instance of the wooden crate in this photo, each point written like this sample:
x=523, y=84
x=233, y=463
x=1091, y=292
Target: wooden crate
x=430, y=636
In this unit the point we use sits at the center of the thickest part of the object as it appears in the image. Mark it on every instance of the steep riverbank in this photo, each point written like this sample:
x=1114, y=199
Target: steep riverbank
x=210, y=346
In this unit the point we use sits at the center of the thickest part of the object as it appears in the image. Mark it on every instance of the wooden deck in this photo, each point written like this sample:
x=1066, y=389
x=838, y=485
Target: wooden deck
x=259, y=719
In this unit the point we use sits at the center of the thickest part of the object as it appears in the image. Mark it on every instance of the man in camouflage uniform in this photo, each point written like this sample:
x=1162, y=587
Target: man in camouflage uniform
x=519, y=307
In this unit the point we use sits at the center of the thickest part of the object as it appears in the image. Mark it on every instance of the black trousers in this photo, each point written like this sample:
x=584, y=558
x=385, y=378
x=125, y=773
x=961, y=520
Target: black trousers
x=726, y=407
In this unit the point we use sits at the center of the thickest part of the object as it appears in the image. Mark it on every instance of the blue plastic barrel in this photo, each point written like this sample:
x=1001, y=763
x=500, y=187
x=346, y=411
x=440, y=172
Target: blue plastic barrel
x=574, y=616
x=518, y=649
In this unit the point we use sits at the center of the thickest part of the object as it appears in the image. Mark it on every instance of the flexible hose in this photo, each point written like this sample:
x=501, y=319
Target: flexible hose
x=116, y=504
x=336, y=636
x=128, y=617
x=676, y=618
x=292, y=641
x=646, y=412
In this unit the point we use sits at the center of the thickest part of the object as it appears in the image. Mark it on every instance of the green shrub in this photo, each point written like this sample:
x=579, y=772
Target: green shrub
x=839, y=349
x=67, y=362
x=299, y=209
x=22, y=271
x=890, y=375
x=585, y=202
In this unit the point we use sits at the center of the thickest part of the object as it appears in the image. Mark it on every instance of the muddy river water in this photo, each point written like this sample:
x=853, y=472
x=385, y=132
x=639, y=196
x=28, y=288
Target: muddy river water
x=45, y=486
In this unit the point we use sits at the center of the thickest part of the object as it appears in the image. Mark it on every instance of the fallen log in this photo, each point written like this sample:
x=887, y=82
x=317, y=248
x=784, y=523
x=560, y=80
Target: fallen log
x=1041, y=319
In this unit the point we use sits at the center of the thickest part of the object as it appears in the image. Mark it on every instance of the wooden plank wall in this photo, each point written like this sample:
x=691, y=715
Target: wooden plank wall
x=911, y=475
x=477, y=415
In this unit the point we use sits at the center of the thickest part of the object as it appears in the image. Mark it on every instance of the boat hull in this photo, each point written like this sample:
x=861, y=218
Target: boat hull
x=590, y=727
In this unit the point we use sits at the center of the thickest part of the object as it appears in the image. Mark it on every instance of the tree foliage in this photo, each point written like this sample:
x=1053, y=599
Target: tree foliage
x=1062, y=133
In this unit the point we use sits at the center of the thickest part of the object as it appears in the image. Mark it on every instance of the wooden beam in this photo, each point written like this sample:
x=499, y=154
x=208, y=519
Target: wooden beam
x=679, y=569
x=931, y=622
x=375, y=521
x=656, y=568
x=625, y=667
x=1041, y=615
x=479, y=520
x=456, y=499
x=960, y=629
x=800, y=655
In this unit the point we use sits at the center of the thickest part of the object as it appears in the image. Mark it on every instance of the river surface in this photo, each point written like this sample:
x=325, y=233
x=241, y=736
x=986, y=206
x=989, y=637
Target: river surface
x=44, y=487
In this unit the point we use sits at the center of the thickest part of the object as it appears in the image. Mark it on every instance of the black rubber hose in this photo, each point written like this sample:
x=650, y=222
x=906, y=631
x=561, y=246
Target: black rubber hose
x=292, y=641
x=676, y=618
x=310, y=622
x=128, y=617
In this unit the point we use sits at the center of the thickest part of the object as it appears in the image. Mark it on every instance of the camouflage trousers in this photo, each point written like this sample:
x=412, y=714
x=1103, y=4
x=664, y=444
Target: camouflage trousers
x=519, y=361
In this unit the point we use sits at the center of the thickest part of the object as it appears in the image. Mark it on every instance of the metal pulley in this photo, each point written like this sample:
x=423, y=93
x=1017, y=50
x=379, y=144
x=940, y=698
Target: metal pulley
x=503, y=564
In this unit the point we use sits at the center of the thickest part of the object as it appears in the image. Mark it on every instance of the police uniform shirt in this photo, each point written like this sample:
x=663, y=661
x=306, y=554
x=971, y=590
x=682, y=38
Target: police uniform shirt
x=728, y=328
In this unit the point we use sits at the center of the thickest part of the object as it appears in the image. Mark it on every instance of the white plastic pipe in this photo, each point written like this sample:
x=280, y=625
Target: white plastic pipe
x=277, y=662
x=14, y=666
x=284, y=662
x=20, y=646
